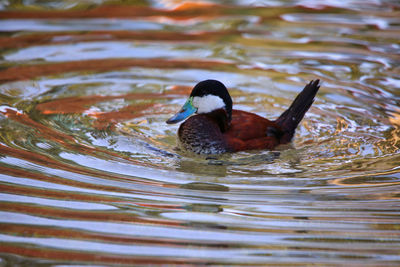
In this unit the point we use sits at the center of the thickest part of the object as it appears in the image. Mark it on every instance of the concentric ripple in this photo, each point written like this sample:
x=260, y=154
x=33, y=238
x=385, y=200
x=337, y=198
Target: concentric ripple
x=89, y=170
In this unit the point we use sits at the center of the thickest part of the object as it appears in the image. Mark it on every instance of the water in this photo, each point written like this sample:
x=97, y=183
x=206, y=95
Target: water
x=89, y=172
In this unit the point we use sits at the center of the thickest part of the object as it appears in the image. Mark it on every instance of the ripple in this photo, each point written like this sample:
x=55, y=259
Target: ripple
x=59, y=25
x=99, y=50
x=90, y=173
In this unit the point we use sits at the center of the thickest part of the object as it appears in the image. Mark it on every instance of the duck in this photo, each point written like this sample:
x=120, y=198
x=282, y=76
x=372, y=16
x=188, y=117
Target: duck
x=216, y=128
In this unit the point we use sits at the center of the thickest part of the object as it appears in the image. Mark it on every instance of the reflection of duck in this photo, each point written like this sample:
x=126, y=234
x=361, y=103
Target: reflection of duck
x=218, y=129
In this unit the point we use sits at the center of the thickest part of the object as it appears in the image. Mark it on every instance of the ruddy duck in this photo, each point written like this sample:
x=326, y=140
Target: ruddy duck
x=218, y=129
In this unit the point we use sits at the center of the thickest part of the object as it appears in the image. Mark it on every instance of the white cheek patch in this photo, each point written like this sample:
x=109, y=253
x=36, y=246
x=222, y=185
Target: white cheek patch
x=207, y=103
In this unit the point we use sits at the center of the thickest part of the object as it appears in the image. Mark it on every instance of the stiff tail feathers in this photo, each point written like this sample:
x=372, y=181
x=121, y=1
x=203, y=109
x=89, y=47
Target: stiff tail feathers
x=290, y=119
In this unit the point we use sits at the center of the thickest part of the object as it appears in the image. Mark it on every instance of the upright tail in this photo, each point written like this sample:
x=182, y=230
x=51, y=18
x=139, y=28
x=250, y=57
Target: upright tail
x=289, y=119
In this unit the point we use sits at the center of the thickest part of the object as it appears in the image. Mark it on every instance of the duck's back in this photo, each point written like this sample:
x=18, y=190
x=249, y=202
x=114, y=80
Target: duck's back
x=249, y=131
x=246, y=125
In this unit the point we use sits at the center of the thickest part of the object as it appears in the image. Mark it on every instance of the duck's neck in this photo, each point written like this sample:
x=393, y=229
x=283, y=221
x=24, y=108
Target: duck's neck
x=220, y=116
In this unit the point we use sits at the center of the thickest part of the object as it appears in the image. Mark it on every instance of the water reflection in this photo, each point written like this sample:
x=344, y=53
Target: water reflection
x=90, y=173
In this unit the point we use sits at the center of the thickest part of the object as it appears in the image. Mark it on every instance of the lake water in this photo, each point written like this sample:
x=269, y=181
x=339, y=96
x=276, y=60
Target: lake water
x=89, y=172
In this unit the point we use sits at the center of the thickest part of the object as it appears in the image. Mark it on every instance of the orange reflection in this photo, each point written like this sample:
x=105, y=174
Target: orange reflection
x=105, y=120
x=395, y=118
x=80, y=104
x=190, y=5
x=101, y=258
x=72, y=37
x=50, y=162
x=187, y=10
x=108, y=119
x=58, y=194
x=86, y=215
x=25, y=72
x=46, y=132
x=45, y=231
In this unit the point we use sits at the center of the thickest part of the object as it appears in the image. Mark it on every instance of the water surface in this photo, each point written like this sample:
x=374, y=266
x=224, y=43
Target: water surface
x=89, y=170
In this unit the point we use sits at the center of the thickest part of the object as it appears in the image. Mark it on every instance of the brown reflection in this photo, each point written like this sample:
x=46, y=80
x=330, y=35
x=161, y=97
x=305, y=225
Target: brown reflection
x=79, y=104
x=46, y=132
x=79, y=256
x=53, y=163
x=66, y=141
x=25, y=72
x=184, y=11
x=181, y=11
x=76, y=104
x=58, y=194
x=107, y=120
x=45, y=232
x=395, y=118
x=392, y=142
x=19, y=41
x=202, y=168
x=86, y=215
x=15, y=172
x=205, y=186
x=368, y=181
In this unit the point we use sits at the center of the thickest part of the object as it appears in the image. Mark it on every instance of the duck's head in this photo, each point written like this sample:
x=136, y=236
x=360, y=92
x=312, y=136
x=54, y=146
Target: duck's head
x=206, y=96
